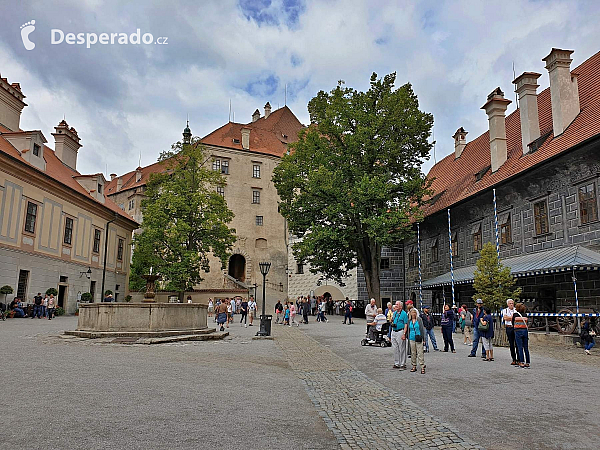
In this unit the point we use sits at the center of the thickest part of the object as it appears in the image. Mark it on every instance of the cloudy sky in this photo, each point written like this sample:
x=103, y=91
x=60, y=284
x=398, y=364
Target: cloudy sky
x=127, y=100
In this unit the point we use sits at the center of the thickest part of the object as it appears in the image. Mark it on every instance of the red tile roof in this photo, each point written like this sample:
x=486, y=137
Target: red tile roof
x=455, y=178
x=58, y=171
x=268, y=136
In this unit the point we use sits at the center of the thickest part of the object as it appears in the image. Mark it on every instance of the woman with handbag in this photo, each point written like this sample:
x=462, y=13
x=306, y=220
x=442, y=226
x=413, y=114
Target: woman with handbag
x=416, y=332
x=587, y=335
x=519, y=321
x=447, y=323
x=486, y=331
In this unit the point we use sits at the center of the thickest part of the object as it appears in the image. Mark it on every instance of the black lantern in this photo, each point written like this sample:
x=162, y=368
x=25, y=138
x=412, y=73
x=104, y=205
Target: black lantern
x=265, y=321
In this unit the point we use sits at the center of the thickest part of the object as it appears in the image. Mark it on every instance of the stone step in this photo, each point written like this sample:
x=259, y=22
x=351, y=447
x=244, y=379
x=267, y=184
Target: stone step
x=139, y=334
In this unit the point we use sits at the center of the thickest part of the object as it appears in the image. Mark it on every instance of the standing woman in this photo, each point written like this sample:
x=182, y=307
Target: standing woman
x=447, y=324
x=416, y=333
x=519, y=322
x=211, y=307
x=51, y=306
x=486, y=331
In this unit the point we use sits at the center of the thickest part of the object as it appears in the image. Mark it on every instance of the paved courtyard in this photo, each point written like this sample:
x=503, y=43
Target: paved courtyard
x=311, y=387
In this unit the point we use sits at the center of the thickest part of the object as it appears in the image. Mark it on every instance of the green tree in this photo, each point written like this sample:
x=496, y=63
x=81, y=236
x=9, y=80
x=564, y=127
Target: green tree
x=6, y=289
x=493, y=281
x=185, y=220
x=352, y=182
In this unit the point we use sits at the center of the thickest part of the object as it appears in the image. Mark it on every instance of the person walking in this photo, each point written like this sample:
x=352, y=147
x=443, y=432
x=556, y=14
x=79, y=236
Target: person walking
x=244, y=313
x=519, y=322
x=486, y=331
x=399, y=328
x=323, y=308
x=313, y=305
x=51, y=306
x=447, y=324
x=305, y=310
x=467, y=319
x=221, y=313
x=587, y=336
x=211, y=307
x=507, y=314
x=416, y=333
x=429, y=334
x=347, y=312
x=293, y=312
x=251, y=309
x=477, y=315
x=278, y=312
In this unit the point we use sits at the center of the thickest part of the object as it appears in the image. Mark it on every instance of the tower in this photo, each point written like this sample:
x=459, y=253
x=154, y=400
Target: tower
x=187, y=134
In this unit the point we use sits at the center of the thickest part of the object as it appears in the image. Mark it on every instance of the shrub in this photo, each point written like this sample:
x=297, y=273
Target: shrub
x=6, y=289
x=86, y=297
x=52, y=291
x=59, y=311
x=107, y=292
x=128, y=298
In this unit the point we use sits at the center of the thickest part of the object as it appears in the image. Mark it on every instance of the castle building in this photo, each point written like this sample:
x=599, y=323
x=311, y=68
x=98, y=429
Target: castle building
x=246, y=154
x=54, y=221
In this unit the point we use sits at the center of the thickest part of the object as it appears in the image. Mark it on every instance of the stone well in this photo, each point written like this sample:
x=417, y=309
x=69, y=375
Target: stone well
x=142, y=319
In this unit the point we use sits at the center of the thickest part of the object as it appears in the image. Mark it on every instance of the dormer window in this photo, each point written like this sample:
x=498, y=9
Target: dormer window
x=36, y=150
x=99, y=188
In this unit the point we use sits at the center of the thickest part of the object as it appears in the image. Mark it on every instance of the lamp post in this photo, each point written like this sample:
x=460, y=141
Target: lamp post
x=265, y=328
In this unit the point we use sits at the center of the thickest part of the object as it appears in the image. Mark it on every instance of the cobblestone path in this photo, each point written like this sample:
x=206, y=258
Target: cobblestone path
x=361, y=413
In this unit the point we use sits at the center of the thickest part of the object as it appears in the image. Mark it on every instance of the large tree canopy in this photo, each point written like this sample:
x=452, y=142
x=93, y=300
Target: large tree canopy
x=185, y=220
x=352, y=183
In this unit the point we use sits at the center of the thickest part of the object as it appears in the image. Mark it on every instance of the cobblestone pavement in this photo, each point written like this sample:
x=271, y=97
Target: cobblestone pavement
x=362, y=413
x=553, y=405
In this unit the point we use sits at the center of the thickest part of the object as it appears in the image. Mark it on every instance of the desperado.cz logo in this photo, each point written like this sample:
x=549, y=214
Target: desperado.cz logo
x=58, y=36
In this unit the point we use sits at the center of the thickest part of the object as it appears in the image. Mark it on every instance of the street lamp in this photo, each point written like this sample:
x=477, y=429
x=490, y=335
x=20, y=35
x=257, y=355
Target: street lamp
x=88, y=273
x=265, y=329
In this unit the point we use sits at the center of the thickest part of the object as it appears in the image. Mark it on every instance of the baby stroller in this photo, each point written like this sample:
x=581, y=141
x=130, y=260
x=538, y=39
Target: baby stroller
x=381, y=338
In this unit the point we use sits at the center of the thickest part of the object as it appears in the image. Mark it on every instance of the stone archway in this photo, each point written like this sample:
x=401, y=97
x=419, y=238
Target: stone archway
x=237, y=267
x=335, y=293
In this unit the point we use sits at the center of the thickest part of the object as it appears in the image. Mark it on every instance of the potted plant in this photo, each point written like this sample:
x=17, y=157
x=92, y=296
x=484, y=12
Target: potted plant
x=86, y=297
x=128, y=298
x=52, y=291
x=59, y=311
x=6, y=289
x=77, y=312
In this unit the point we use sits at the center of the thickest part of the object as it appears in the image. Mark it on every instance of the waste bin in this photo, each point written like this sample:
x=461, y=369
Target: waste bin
x=265, y=325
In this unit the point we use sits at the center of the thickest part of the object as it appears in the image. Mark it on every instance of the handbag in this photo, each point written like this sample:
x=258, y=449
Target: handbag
x=482, y=327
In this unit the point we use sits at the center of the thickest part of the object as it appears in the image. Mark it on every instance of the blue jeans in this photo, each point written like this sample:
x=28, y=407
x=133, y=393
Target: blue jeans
x=37, y=311
x=589, y=345
x=476, y=343
x=522, y=341
x=431, y=335
x=19, y=311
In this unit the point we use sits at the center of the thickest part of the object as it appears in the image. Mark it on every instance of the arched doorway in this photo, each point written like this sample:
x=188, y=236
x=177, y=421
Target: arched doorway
x=237, y=267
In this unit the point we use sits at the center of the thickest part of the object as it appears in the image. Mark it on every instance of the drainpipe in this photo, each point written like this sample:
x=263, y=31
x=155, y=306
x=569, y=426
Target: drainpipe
x=105, y=252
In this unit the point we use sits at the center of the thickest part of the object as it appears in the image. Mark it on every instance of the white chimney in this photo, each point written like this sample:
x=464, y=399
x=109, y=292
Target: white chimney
x=495, y=108
x=119, y=183
x=256, y=115
x=564, y=92
x=113, y=176
x=245, y=138
x=66, y=144
x=11, y=104
x=526, y=86
x=138, y=174
x=267, y=110
x=460, y=142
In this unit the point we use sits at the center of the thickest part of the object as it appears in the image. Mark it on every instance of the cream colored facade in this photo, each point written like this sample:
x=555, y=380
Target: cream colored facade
x=53, y=220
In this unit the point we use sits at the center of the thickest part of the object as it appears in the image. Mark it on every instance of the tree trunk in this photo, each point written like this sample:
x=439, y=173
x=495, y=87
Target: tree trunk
x=181, y=295
x=369, y=256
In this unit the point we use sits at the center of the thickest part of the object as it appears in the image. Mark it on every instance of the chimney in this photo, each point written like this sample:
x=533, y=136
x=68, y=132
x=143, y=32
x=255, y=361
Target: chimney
x=526, y=86
x=113, y=176
x=256, y=115
x=11, y=104
x=267, y=110
x=66, y=144
x=564, y=92
x=460, y=142
x=495, y=108
x=246, y=138
x=119, y=183
x=138, y=174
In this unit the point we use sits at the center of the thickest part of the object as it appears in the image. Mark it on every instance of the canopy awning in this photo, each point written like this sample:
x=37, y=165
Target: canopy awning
x=539, y=263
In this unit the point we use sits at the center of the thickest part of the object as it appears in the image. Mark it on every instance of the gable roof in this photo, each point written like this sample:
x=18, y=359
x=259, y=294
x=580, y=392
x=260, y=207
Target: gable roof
x=456, y=179
x=268, y=136
x=59, y=172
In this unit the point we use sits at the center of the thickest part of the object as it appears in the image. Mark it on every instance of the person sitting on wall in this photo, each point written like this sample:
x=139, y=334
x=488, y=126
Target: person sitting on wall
x=17, y=307
x=108, y=298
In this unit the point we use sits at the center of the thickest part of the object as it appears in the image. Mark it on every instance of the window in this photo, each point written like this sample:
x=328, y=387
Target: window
x=454, y=244
x=259, y=220
x=505, y=229
x=540, y=212
x=477, y=237
x=96, y=248
x=435, y=254
x=256, y=171
x=217, y=165
x=99, y=188
x=30, y=218
x=255, y=197
x=413, y=258
x=36, y=150
x=68, y=237
x=63, y=279
x=120, y=250
x=131, y=204
x=384, y=264
x=588, y=205
x=225, y=167
x=22, y=284
x=300, y=268
x=221, y=191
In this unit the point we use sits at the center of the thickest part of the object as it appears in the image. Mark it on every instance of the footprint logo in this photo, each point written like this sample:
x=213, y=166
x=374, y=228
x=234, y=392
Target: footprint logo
x=26, y=30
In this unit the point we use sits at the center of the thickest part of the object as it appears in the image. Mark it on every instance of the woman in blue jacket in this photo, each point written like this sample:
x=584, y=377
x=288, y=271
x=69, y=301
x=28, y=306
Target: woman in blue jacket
x=447, y=324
